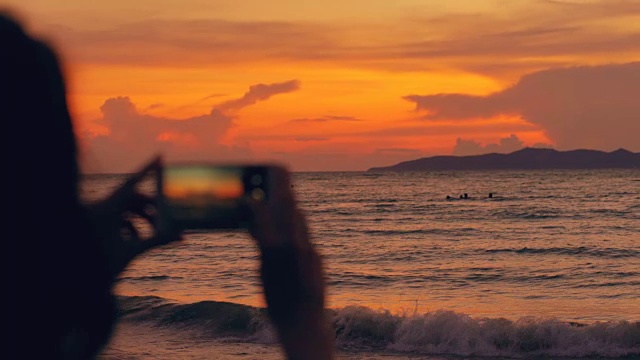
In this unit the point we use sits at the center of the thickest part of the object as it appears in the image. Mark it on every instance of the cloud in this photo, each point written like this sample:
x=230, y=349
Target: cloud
x=134, y=136
x=311, y=138
x=394, y=135
x=324, y=119
x=527, y=35
x=579, y=107
x=448, y=128
x=214, y=95
x=341, y=118
x=259, y=92
x=155, y=106
x=206, y=41
x=470, y=147
x=199, y=101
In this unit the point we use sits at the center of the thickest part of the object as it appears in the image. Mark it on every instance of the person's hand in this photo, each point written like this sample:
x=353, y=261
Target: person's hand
x=112, y=223
x=291, y=272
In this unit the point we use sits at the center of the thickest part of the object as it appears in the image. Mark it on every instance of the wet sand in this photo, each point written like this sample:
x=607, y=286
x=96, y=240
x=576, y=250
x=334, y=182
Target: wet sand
x=134, y=341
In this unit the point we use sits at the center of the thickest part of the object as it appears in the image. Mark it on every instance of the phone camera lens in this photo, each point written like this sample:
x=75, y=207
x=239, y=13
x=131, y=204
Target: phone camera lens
x=258, y=194
x=256, y=180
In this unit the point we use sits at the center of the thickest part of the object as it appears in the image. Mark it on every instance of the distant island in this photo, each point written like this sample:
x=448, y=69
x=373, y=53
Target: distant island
x=527, y=158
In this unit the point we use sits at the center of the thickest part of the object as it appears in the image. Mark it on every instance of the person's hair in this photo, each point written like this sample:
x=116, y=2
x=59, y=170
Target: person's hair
x=55, y=280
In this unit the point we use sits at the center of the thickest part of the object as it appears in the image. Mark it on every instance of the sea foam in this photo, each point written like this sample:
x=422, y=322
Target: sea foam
x=439, y=332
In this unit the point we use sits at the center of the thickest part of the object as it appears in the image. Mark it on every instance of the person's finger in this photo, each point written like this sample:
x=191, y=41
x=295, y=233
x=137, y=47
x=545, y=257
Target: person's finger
x=132, y=249
x=139, y=204
x=261, y=224
x=266, y=235
x=132, y=230
x=156, y=241
x=278, y=222
x=280, y=186
x=143, y=205
x=126, y=190
x=301, y=238
x=281, y=203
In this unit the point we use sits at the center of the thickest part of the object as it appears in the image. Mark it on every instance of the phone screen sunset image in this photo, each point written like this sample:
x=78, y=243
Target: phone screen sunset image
x=202, y=185
x=459, y=179
x=201, y=195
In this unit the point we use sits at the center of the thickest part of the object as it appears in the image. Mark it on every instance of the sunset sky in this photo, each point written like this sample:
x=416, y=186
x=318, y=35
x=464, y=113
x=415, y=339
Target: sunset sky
x=342, y=84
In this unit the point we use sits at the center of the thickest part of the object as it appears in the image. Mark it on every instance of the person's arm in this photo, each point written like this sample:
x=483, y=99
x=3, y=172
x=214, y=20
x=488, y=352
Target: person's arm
x=292, y=275
x=294, y=290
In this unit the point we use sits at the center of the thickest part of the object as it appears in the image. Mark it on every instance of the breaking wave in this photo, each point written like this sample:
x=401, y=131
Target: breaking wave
x=439, y=332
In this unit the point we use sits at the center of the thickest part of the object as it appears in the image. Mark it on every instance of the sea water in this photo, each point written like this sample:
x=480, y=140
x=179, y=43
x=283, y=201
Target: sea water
x=549, y=265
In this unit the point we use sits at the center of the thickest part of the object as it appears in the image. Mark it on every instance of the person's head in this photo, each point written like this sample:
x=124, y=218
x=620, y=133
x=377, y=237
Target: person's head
x=33, y=109
x=54, y=270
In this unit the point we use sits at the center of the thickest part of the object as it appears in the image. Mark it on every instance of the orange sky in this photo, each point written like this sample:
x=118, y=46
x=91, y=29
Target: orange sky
x=340, y=85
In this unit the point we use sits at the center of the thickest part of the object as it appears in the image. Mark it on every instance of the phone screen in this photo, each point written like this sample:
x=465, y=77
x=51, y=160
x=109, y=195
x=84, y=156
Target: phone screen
x=209, y=197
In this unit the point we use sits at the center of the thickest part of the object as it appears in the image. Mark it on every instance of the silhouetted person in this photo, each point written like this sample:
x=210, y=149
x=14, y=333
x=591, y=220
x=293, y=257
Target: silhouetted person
x=62, y=258
x=466, y=196
x=461, y=196
x=58, y=278
x=490, y=195
x=448, y=197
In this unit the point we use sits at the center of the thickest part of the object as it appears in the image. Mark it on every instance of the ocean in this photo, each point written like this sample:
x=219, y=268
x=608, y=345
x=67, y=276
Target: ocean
x=549, y=266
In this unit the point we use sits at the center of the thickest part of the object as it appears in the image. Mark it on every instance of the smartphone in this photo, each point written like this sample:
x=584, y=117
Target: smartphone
x=207, y=196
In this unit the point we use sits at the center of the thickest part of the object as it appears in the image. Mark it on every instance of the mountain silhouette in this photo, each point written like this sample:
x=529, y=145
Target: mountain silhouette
x=527, y=158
